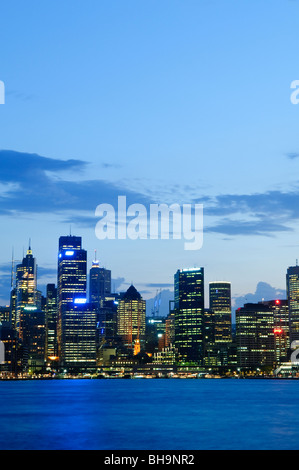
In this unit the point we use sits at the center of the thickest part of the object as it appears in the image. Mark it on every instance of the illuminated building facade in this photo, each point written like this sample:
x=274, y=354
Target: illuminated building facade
x=292, y=284
x=189, y=313
x=131, y=319
x=79, y=349
x=5, y=314
x=281, y=328
x=13, y=362
x=33, y=324
x=26, y=286
x=51, y=321
x=99, y=284
x=255, y=336
x=107, y=320
x=170, y=329
x=76, y=320
x=220, y=304
x=210, y=356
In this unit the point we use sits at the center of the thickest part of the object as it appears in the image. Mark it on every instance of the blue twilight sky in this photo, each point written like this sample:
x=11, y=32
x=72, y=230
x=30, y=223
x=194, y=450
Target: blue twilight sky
x=162, y=101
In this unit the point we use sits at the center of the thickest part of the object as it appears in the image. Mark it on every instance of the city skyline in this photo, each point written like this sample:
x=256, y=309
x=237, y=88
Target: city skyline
x=74, y=330
x=264, y=292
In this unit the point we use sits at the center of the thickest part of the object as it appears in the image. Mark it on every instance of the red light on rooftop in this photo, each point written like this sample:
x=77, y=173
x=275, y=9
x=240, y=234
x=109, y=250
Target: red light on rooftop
x=277, y=302
x=278, y=331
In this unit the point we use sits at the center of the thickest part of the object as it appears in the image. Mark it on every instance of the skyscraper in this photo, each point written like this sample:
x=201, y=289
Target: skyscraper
x=292, y=282
x=281, y=328
x=76, y=322
x=99, y=284
x=33, y=338
x=26, y=286
x=255, y=336
x=131, y=319
x=220, y=304
x=51, y=321
x=189, y=313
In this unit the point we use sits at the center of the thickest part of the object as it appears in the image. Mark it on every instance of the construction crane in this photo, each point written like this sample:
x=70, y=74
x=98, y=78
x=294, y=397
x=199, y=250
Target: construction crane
x=157, y=303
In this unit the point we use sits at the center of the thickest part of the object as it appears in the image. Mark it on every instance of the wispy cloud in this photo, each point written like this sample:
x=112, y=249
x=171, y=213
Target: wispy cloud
x=292, y=155
x=32, y=184
x=37, y=189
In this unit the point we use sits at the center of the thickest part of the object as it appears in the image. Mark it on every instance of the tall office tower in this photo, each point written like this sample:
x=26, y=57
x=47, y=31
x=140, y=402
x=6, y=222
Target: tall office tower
x=292, y=281
x=107, y=321
x=255, y=336
x=131, y=319
x=155, y=333
x=281, y=328
x=5, y=315
x=76, y=321
x=51, y=322
x=99, y=284
x=13, y=308
x=210, y=350
x=32, y=320
x=189, y=313
x=9, y=337
x=79, y=342
x=170, y=329
x=26, y=286
x=220, y=304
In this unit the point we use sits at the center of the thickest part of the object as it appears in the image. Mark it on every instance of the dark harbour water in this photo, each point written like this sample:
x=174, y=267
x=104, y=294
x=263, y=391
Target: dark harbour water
x=158, y=414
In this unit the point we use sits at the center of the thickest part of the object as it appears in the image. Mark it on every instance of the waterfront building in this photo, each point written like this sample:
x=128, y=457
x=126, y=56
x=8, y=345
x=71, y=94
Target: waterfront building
x=32, y=321
x=170, y=329
x=51, y=322
x=26, y=287
x=189, y=313
x=12, y=346
x=131, y=322
x=210, y=350
x=99, y=284
x=255, y=336
x=281, y=328
x=5, y=314
x=76, y=320
x=292, y=284
x=155, y=333
x=220, y=304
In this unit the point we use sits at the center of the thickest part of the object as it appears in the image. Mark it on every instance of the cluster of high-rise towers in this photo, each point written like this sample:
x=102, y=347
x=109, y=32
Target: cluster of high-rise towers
x=81, y=326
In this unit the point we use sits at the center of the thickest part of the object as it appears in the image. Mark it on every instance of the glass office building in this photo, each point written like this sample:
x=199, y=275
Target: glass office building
x=255, y=336
x=76, y=322
x=189, y=313
x=292, y=284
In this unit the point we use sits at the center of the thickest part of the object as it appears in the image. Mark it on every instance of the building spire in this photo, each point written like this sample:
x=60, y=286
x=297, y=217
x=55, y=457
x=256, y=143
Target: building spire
x=29, y=251
x=95, y=262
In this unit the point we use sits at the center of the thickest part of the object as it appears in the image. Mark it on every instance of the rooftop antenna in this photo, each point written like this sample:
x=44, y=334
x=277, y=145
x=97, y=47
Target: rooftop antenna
x=12, y=269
